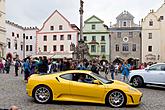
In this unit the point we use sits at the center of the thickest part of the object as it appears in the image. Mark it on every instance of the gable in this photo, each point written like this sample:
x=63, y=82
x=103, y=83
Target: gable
x=56, y=19
x=94, y=19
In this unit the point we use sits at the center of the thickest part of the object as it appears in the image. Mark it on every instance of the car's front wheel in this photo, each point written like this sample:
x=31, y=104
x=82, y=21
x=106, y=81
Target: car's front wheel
x=137, y=81
x=42, y=94
x=116, y=99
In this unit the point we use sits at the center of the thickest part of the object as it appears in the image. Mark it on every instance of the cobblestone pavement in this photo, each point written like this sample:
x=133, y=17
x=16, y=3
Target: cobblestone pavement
x=12, y=92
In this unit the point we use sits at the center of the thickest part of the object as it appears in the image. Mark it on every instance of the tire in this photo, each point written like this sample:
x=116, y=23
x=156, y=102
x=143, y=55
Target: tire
x=116, y=99
x=137, y=81
x=42, y=94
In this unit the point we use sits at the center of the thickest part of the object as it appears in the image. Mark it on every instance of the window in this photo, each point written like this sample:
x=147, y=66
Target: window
x=31, y=48
x=21, y=47
x=125, y=47
x=45, y=38
x=117, y=47
x=17, y=35
x=15, y=46
x=67, y=76
x=31, y=37
x=27, y=48
x=69, y=37
x=155, y=68
x=102, y=38
x=61, y=47
x=103, y=48
x=51, y=28
x=161, y=17
x=149, y=35
x=134, y=47
x=85, y=38
x=131, y=34
x=93, y=27
x=93, y=48
x=54, y=37
x=26, y=37
x=12, y=33
x=60, y=27
x=149, y=48
x=45, y=48
x=9, y=45
x=61, y=37
x=119, y=34
x=93, y=38
x=54, y=48
x=150, y=23
x=124, y=23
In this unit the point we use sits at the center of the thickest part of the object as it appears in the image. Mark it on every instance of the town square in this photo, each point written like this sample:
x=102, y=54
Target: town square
x=76, y=55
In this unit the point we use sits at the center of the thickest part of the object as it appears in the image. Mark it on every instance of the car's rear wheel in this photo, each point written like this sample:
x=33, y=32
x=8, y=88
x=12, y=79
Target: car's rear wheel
x=137, y=81
x=42, y=94
x=116, y=99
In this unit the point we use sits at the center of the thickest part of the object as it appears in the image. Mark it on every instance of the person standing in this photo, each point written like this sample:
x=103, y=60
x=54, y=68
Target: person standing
x=112, y=70
x=125, y=71
x=1, y=66
x=7, y=66
x=26, y=66
x=16, y=67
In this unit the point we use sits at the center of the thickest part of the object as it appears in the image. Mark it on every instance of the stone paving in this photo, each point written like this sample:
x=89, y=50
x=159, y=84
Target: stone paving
x=12, y=92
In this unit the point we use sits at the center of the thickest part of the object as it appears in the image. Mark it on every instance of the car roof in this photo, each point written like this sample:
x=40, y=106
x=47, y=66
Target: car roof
x=76, y=71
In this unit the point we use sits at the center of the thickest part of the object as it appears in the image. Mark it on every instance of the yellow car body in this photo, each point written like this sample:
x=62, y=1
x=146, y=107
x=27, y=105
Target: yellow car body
x=64, y=89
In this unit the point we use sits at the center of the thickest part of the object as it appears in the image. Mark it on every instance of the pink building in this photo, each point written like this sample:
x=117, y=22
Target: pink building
x=56, y=36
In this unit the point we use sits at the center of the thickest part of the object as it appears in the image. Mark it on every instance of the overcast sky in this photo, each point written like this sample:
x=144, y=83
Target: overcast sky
x=35, y=12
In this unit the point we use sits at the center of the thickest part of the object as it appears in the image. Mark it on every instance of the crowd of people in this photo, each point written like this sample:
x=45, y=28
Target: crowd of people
x=42, y=65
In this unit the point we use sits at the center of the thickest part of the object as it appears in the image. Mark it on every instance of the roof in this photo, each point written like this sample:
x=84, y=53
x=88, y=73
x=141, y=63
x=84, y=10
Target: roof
x=98, y=20
x=125, y=16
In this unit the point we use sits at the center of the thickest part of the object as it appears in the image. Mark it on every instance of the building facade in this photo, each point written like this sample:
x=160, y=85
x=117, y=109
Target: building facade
x=153, y=36
x=125, y=37
x=96, y=35
x=14, y=41
x=2, y=28
x=56, y=36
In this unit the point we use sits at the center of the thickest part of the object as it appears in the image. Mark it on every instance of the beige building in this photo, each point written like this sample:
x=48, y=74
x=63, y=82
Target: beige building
x=2, y=27
x=153, y=36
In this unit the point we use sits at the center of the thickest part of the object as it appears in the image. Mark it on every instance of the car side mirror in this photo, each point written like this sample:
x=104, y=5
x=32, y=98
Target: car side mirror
x=96, y=82
x=147, y=69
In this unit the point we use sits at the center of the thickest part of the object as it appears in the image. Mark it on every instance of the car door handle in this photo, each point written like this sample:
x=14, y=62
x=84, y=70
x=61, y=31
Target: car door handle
x=57, y=79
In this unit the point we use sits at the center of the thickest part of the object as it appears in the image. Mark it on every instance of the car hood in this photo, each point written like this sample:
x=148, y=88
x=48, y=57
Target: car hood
x=137, y=71
x=121, y=86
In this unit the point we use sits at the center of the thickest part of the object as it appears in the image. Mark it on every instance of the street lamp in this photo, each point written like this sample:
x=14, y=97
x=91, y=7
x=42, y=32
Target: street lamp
x=24, y=46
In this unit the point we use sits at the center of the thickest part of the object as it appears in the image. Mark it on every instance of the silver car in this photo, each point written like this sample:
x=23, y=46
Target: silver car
x=154, y=74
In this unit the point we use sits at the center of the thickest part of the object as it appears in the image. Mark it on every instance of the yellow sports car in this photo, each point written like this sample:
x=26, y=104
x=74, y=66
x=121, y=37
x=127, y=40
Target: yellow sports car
x=81, y=86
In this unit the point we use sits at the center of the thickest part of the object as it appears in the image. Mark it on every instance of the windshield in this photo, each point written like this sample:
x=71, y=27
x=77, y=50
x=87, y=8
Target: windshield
x=102, y=79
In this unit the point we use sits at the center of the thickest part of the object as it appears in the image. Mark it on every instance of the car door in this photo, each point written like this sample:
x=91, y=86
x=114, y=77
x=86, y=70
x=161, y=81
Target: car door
x=162, y=74
x=62, y=86
x=87, y=92
x=153, y=74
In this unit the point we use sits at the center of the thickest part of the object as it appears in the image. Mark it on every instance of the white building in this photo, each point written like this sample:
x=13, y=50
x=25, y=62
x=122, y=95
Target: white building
x=2, y=27
x=56, y=36
x=14, y=40
x=153, y=36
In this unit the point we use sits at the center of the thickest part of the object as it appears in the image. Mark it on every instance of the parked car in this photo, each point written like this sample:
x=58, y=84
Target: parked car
x=81, y=86
x=154, y=74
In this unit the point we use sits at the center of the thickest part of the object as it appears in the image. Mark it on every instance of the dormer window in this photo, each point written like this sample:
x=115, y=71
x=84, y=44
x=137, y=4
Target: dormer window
x=161, y=17
x=93, y=27
x=124, y=23
x=51, y=28
x=60, y=27
x=151, y=23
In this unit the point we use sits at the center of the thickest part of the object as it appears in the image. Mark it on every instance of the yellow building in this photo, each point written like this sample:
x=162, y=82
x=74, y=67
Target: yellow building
x=2, y=27
x=153, y=36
